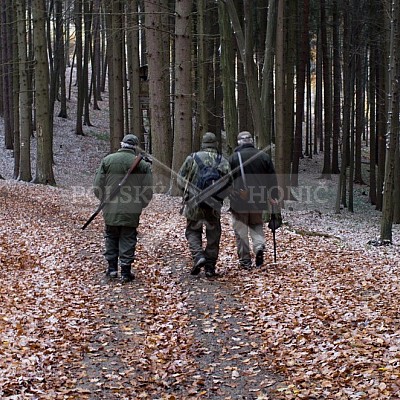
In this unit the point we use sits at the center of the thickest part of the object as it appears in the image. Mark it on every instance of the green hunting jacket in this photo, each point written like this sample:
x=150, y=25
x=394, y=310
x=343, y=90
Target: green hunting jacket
x=187, y=177
x=134, y=195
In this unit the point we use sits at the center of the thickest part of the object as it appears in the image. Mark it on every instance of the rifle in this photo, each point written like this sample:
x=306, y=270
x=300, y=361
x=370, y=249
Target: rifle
x=205, y=195
x=114, y=192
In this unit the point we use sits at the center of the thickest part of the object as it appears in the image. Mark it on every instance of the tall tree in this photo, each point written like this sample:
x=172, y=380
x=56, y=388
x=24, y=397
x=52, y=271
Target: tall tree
x=133, y=62
x=327, y=93
x=244, y=40
x=267, y=98
x=158, y=67
x=60, y=61
x=303, y=30
x=6, y=70
x=79, y=68
x=44, y=154
x=183, y=86
x=228, y=78
x=393, y=123
x=25, y=171
x=117, y=75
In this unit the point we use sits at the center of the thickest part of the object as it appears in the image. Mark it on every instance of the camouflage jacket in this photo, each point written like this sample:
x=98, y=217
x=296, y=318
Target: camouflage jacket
x=187, y=177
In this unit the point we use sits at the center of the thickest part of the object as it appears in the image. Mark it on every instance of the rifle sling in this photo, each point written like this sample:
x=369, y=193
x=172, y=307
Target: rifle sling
x=114, y=192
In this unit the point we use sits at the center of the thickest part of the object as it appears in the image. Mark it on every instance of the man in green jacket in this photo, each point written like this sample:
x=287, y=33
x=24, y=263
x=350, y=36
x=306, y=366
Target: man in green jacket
x=122, y=214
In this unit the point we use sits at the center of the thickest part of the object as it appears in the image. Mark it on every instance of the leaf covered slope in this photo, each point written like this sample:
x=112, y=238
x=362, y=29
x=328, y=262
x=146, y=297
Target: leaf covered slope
x=322, y=323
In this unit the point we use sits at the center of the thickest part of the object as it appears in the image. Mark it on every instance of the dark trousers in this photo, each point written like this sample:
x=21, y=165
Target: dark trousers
x=120, y=243
x=194, y=236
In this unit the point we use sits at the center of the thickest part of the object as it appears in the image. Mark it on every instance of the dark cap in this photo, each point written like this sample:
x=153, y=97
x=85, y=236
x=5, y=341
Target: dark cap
x=209, y=137
x=130, y=139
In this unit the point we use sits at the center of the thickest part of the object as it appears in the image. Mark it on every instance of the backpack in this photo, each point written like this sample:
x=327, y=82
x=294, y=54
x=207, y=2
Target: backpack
x=207, y=175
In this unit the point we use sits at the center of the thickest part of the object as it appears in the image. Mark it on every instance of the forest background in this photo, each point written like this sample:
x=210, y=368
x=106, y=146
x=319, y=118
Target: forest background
x=304, y=77
x=317, y=83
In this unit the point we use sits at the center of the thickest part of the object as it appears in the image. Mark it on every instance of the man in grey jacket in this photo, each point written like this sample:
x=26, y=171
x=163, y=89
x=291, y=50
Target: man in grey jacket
x=122, y=214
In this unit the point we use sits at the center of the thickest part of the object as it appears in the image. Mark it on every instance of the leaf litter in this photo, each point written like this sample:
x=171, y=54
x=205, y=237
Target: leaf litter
x=321, y=323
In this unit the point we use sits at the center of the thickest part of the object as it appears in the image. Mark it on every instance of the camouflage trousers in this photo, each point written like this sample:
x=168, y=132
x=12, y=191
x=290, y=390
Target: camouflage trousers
x=194, y=236
x=248, y=225
x=120, y=243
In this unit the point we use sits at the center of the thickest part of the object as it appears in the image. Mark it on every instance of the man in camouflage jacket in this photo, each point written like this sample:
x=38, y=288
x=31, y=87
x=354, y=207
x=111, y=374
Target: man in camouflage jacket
x=122, y=214
x=199, y=216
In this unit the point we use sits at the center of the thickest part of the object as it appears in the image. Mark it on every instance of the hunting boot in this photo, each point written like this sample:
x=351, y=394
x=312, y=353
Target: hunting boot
x=126, y=274
x=210, y=271
x=112, y=270
x=259, y=256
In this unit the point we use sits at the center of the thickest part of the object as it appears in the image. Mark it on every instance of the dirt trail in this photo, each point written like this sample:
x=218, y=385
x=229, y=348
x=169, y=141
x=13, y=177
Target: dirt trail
x=220, y=354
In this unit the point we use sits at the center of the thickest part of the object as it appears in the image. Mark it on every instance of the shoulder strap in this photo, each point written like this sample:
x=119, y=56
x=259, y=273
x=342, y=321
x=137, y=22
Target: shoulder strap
x=242, y=169
x=200, y=162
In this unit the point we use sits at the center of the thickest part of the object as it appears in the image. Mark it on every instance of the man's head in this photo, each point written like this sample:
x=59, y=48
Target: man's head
x=209, y=140
x=129, y=141
x=244, y=137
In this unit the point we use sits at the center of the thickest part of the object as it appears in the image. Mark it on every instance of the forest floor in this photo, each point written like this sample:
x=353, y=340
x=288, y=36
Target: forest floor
x=320, y=323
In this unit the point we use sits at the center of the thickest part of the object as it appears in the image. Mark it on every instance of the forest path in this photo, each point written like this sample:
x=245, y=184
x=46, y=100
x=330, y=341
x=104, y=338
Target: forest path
x=172, y=334
x=321, y=323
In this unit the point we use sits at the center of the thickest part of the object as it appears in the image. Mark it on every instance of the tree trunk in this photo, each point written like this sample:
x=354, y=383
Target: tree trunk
x=60, y=50
x=336, y=123
x=227, y=77
x=393, y=124
x=25, y=172
x=183, y=88
x=318, y=131
x=245, y=47
x=326, y=71
x=135, y=119
x=44, y=154
x=300, y=90
x=87, y=16
x=15, y=99
x=117, y=77
x=158, y=71
x=6, y=70
x=79, y=70
x=267, y=98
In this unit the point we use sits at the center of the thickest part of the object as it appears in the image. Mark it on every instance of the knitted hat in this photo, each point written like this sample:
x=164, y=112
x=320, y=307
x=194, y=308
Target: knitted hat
x=130, y=139
x=209, y=140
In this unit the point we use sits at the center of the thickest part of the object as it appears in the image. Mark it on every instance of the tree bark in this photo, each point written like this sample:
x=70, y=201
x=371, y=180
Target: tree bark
x=228, y=79
x=158, y=72
x=393, y=124
x=25, y=171
x=44, y=134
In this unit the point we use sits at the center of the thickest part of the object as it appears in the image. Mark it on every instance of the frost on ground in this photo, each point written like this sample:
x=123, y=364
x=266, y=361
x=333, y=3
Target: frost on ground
x=77, y=157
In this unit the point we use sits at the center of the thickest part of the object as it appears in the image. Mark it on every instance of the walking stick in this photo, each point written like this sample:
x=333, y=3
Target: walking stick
x=273, y=225
x=274, y=240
